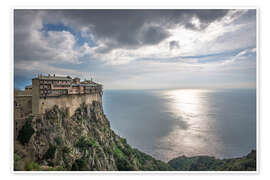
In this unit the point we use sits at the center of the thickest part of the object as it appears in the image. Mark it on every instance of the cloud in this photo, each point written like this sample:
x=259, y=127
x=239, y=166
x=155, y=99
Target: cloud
x=125, y=45
x=153, y=35
x=61, y=45
x=33, y=44
x=242, y=55
x=131, y=29
x=174, y=45
x=202, y=18
x=108, y=29
x=121, y=27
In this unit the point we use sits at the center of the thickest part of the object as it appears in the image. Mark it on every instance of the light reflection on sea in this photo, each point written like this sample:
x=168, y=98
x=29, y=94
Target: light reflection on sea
x=170, y=123
x=194, y=133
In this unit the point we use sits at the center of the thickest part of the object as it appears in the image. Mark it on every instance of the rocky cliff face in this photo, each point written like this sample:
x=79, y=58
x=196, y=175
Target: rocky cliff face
x=84, y=141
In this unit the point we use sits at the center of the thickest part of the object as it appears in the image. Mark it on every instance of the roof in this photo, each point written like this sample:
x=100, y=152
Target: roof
x=66, y=78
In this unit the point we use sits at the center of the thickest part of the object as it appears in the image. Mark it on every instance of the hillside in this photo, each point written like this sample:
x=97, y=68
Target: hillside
x=83, y=142
x=208, y=163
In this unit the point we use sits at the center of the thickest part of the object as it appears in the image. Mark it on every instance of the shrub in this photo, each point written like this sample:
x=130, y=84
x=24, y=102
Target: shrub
x=17, y=160
x=123, y=140
x=79, y=165
x=66, y=149
x=122, y=163
x=84, y=143
x=26, y=132
x=64, y=113
x=57, y=168
x=50, y=152
x=58, y=140
x=31, y=166
x=117, y=152
x=16, y=157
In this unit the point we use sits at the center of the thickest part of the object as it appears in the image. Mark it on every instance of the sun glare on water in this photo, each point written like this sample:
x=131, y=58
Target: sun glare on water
x=193, y=132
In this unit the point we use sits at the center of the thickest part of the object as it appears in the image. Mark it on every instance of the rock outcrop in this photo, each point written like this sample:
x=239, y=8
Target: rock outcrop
x=85, y=141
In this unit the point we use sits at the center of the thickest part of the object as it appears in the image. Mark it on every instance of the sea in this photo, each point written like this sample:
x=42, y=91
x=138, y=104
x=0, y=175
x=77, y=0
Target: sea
x=170, y=123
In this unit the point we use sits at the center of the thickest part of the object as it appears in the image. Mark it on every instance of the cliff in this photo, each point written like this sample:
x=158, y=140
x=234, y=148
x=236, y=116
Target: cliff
x=83, y=142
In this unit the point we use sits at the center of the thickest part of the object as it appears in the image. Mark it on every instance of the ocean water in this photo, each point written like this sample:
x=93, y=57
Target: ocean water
x=170, y=123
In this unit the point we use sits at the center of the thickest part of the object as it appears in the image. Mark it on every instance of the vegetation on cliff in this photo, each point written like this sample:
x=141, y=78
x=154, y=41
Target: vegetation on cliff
x=83, y=142
x=26, y=131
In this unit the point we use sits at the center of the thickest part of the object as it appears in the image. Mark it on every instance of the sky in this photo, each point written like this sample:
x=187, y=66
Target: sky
x=138, y=49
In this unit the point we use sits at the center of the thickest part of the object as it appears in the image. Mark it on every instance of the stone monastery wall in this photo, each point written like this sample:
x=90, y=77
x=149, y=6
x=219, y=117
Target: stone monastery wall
x=72, y=102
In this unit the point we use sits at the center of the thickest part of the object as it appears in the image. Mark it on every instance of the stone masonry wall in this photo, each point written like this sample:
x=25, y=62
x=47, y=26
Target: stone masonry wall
x=72, y=102
x=24, y=103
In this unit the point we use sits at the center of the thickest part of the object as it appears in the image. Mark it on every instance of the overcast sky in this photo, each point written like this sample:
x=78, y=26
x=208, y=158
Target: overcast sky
x=138, y=49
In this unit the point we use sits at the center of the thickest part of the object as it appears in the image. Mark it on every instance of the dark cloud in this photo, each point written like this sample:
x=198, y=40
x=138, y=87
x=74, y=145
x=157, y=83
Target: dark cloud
x=130, y=29
x=115, y=29
x=153, y=35
x=205, y=17
x=208, y=16
x=147, y=35
x=174, y=45
x=126, y=28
